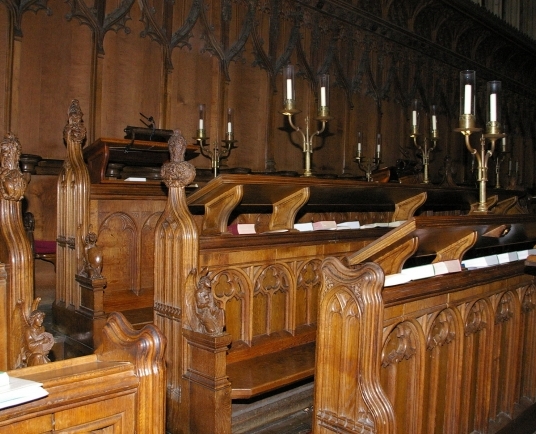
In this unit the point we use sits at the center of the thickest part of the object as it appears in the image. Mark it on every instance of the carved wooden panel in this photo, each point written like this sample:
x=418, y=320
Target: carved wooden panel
x=462, y=362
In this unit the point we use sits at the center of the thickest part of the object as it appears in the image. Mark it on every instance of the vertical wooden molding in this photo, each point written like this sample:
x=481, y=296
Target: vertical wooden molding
x=176, y=256
x=73, y=200
x=15, y=249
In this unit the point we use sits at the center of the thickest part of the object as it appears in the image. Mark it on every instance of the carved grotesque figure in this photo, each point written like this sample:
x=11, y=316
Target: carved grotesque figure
x=204, y=315
x=92, y=257
x=38, y=342
x=12, y=182
x=211, y=317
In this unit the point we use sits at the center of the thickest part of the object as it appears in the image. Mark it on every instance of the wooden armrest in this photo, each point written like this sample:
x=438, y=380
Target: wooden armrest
x=262, y=374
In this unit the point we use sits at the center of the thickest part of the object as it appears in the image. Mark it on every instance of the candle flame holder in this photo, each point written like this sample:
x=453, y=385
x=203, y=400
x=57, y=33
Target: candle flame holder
x=215, y=152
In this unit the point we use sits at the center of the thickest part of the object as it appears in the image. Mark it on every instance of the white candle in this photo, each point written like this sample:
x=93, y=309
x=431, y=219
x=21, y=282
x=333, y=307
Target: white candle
x=467, y=100
x=434, y=122
x=201, y=126
x=414, y=118
x=493, y=107
x=359, y=147
x=323, y=97
x=289, y=88
x=378, y=144
x=229, y=127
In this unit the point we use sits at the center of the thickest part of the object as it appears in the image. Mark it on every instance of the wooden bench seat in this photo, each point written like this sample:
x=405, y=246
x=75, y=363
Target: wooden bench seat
x=252, y=377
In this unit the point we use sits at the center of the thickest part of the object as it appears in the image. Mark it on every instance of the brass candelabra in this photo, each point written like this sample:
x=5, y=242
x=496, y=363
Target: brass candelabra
x=467, y=128
x=368, y=164
x=433, y=138
x=215, y=152
x=289, y=110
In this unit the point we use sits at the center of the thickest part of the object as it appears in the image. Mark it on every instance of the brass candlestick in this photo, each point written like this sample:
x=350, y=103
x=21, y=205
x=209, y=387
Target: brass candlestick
x=216, y=152
x=368, y=165
x=425, y=150
x=467, y=127
x=289, y=110
x=425, y=147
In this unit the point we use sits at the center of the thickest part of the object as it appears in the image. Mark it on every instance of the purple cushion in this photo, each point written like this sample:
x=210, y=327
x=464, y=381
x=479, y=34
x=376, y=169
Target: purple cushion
x=44, y=247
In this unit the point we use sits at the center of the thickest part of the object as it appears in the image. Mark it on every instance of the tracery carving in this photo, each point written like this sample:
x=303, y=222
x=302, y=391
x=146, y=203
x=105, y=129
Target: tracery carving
x=164, y=35
x=505, y=308
x=177, y=172
x=18, y=8
x=442, y=331
x=98, y=20
x=400, y=345
x=272, y=279
x=12, y=182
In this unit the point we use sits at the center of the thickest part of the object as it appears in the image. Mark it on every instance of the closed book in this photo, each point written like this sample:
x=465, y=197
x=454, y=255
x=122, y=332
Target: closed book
x=445, y=267
x=505, y=258
x=420, y=272
x=348, y=225
x=303, y=227
x=325, y=225
x=481, y=262
x=242, y=228
x=20, y=390
x=396, y=279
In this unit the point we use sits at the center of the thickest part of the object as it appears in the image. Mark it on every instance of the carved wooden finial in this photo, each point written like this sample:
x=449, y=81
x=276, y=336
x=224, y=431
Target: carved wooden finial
x=177, y=172
x=75, y=129
x=12, y=182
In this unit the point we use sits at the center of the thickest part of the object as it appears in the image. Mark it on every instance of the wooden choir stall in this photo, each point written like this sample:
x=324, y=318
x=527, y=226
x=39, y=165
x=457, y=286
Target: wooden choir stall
x=120, y=387
x=240, y=311
x=448, y=351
